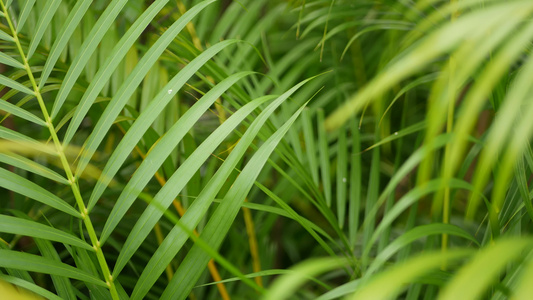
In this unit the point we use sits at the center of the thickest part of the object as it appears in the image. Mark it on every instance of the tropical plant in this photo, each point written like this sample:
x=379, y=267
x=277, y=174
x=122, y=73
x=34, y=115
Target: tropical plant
x=210, y=149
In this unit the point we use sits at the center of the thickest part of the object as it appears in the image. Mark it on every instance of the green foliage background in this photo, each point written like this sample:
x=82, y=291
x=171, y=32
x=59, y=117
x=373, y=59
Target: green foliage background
x=215, y=149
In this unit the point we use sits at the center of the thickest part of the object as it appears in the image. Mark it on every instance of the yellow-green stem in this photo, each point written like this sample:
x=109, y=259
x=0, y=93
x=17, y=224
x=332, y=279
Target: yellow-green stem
x=60, y=152
x=252, y=241
x=449, y=128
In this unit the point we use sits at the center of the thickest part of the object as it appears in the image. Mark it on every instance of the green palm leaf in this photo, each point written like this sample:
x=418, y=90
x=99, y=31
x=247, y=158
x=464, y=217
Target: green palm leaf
x=408, y=174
